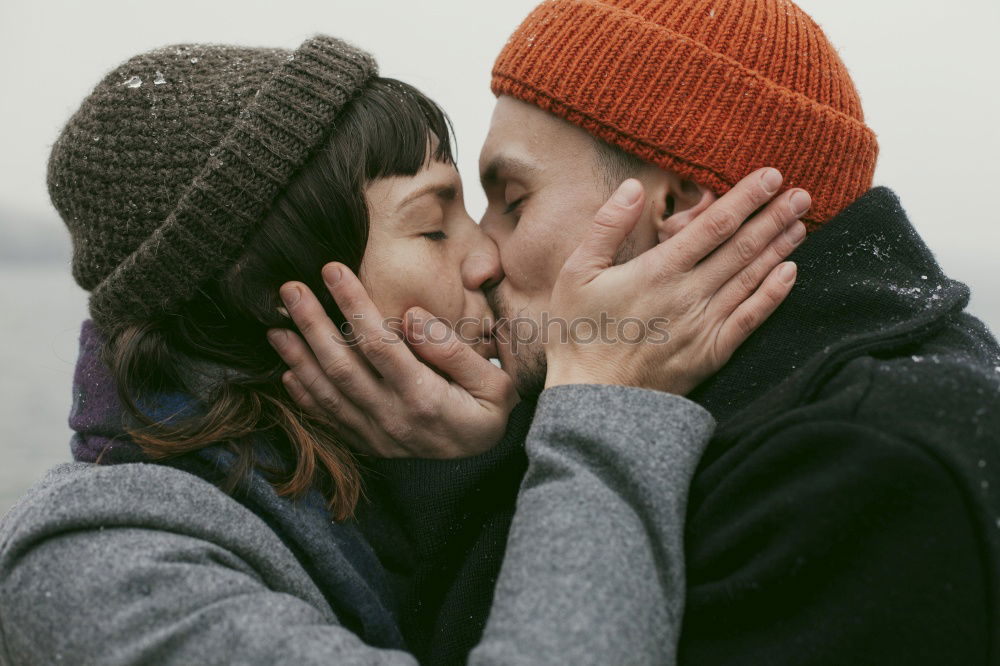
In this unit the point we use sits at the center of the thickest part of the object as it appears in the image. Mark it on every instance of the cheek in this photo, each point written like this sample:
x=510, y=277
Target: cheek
x=407, y=273
x=541, y=243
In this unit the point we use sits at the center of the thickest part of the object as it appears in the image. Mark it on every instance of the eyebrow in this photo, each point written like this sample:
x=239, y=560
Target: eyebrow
x=505, y=165
x=445, y=192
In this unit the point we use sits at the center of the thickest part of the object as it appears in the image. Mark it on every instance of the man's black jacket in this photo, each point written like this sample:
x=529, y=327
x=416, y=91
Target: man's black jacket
x=847, y=510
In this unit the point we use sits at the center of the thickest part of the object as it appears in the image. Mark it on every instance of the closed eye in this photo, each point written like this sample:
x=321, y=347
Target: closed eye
x=514, y=205
x=435, y=235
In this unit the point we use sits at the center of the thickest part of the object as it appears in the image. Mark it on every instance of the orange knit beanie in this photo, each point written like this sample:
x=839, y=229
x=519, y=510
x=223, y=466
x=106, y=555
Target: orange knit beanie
x=709, y=89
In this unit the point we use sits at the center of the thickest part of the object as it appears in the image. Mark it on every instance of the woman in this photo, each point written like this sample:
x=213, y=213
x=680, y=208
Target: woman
x=195, y=182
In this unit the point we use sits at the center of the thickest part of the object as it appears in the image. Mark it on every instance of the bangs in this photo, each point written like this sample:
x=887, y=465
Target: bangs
x=404, y=130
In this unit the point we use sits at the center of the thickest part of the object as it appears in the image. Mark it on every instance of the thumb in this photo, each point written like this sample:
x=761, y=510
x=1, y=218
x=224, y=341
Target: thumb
x=613, y=223
x=441, y=347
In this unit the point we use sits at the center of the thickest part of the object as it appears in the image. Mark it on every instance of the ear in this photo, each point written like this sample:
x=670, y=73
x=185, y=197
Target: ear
x=678, y=201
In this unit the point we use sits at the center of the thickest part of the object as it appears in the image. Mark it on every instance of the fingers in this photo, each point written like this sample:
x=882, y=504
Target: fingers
x=383, y=348
x=318, y=390
x=739, y=287
x=719, y=222
x=344, y=424
x=755, y=238
x=755, y=310
x=440, y=346
x=300, y=394
x=324, y=356
x=612, y=224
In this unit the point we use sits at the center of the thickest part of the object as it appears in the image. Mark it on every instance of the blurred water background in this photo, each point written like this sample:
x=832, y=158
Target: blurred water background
x=926, y=72
x=42, y=309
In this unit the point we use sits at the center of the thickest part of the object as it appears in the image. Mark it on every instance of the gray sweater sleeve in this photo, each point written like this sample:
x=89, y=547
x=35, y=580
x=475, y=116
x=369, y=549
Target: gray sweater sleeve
x=594, y=568
x=136, y=564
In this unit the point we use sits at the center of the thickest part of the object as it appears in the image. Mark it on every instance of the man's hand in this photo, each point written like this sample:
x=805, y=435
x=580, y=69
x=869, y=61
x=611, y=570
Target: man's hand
x=372, y=389
x=690, y=301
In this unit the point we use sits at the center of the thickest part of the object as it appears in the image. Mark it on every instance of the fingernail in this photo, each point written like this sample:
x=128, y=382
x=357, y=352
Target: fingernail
x=801, y=201
x=628, y=192
x=771, y=180
x=331, y=274
x=276, y=337
x=796, y=233
x=290, y=295
x=787, y=272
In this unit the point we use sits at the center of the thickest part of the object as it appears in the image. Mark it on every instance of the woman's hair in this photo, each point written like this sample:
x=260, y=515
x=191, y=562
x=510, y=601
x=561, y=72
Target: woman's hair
x=390, y=129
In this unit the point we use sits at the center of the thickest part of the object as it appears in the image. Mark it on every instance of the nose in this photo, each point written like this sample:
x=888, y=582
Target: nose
x=481, y=266
x=488, y=227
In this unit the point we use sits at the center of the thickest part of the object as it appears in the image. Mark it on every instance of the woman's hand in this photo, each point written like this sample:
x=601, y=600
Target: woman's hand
x=682, y=308
x=374, y=391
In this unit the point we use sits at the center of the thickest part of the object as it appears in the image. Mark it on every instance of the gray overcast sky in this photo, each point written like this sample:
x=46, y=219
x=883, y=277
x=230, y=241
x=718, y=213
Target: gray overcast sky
x=926, y=71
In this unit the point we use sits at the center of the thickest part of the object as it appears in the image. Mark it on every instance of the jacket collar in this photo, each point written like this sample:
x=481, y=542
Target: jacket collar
x=866, y=280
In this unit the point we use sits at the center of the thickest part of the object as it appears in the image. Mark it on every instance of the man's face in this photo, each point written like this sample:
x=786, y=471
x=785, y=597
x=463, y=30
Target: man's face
x=543, y=187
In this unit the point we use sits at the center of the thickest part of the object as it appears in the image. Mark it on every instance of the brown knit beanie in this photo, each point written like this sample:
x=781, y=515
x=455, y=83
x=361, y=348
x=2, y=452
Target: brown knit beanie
x=176, y=157
x=709, y=89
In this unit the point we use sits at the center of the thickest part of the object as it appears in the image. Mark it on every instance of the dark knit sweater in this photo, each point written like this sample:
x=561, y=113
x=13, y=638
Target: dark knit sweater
x=847, y=510
x=440, y=529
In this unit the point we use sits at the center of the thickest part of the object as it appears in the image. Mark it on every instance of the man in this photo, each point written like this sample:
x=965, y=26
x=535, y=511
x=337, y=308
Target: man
x=847, y=510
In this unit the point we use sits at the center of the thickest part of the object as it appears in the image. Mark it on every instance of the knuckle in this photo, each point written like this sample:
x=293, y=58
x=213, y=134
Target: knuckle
x=292, y=355
x=349, y=300
x=776, y=221
x=783, y=248
x=775, y=293
x=423, y=409
x=451, y=349
x=292, y=386
x=307, y=325
x=606, y=220
x=778, y=251
x=399, y=430
x=605, y=217
x=746, y=323
x=746, y=248
x=375, y=350
x=749, y=279
x=330, y=403
x=337, y=368
x=720, y=223
x=684, y=303
x=690, y=302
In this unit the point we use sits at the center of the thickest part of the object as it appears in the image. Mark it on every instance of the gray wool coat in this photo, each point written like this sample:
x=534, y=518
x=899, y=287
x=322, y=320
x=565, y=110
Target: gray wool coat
x=140, y=563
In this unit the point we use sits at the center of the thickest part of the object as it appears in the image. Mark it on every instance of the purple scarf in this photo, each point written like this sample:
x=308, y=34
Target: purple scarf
x=97, y=414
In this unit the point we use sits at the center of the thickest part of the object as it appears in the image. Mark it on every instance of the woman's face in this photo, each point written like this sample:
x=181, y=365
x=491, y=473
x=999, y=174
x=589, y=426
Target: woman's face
x=425, y=251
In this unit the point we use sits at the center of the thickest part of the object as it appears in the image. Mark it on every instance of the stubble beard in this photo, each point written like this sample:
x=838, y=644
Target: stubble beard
x=525, y=363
